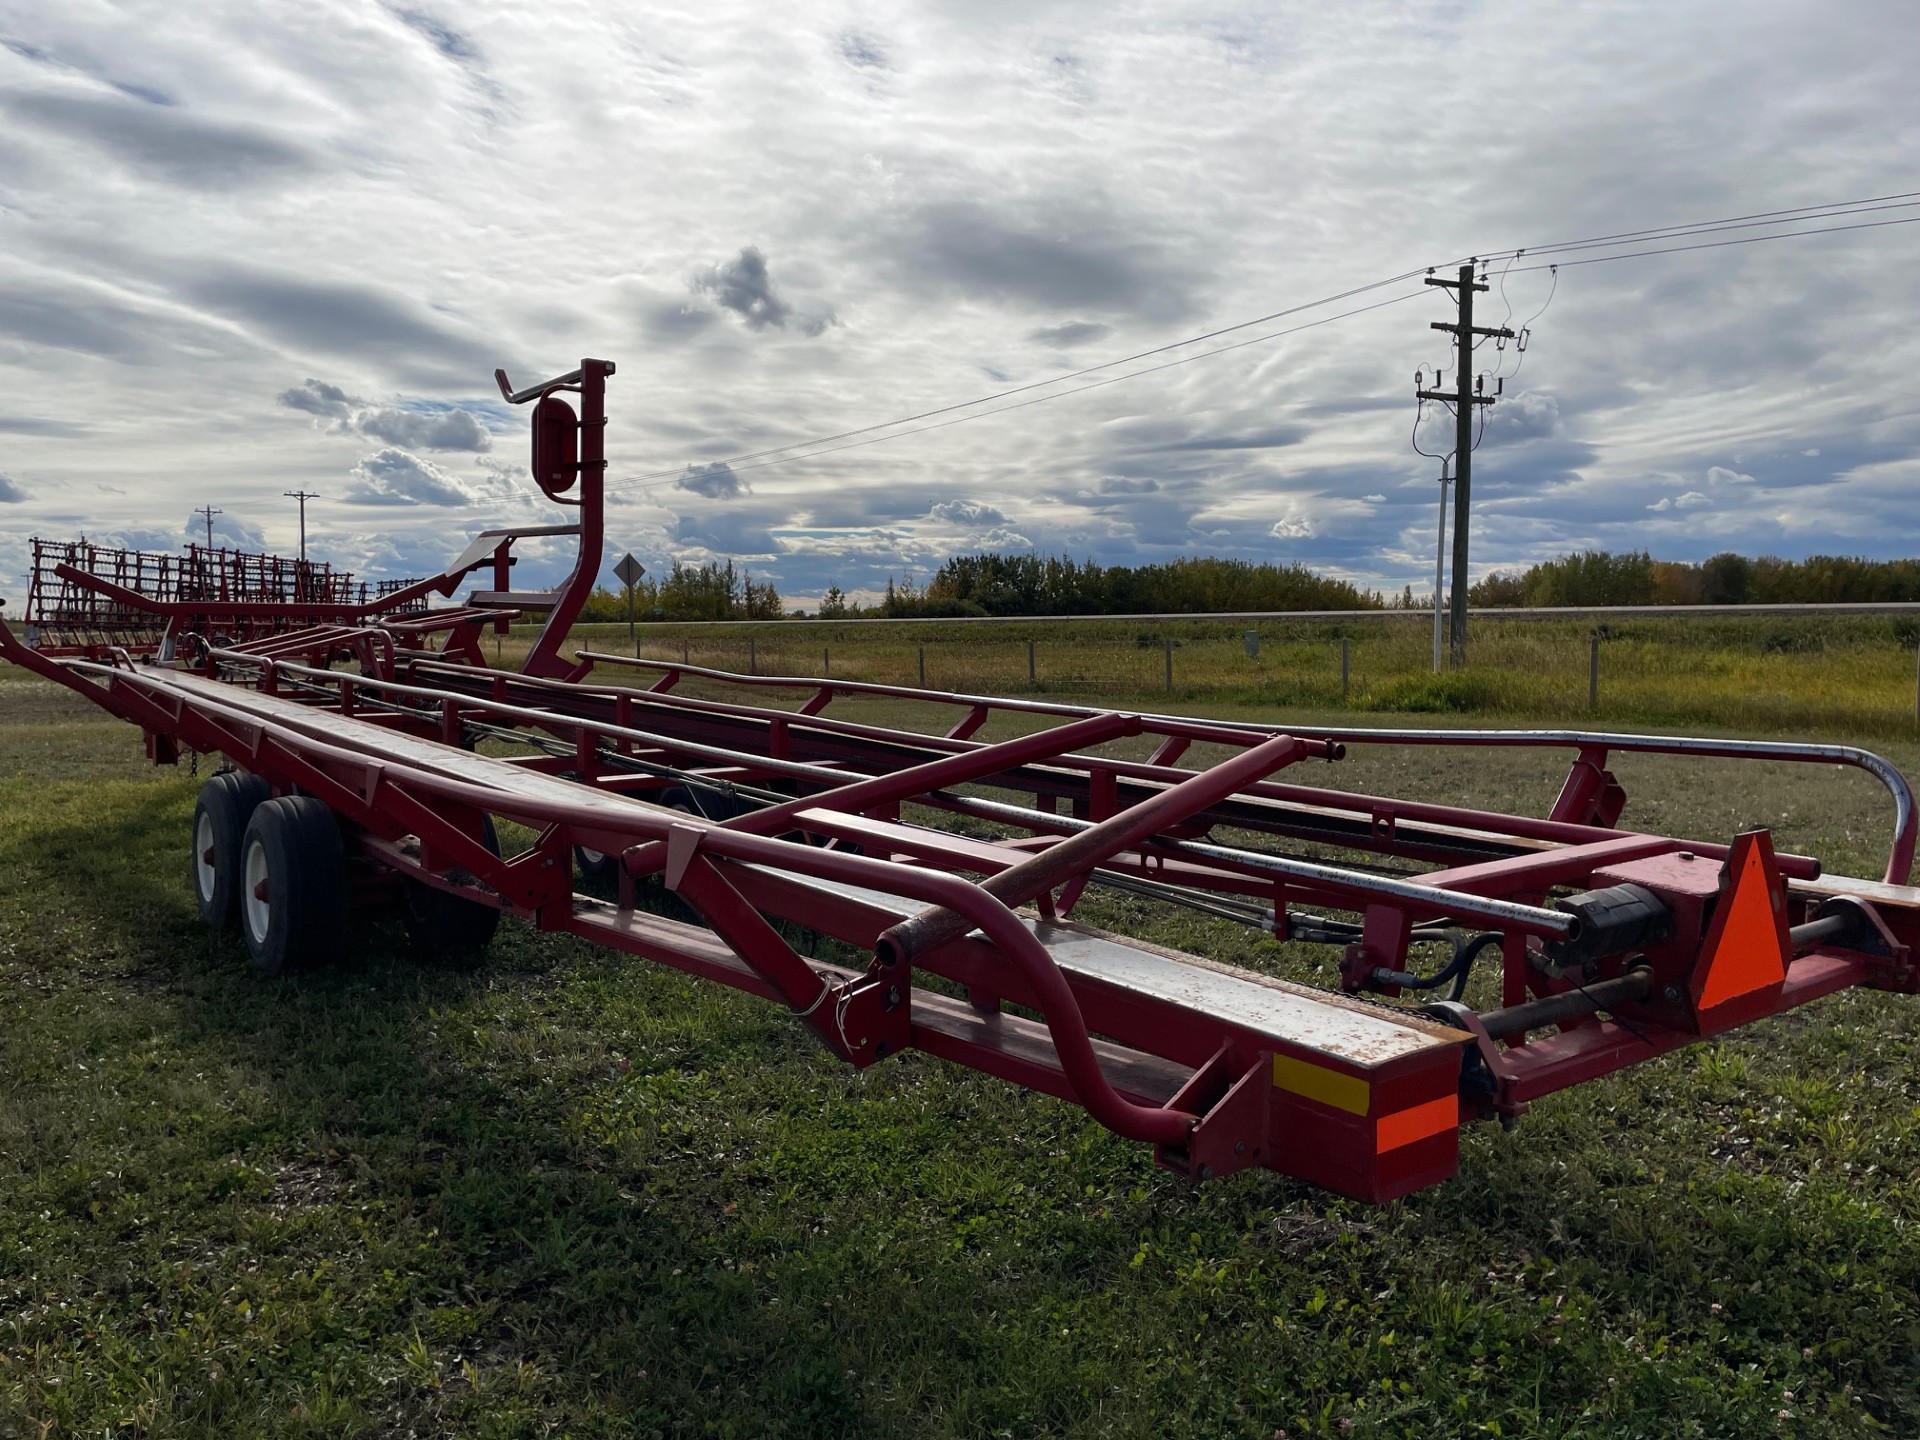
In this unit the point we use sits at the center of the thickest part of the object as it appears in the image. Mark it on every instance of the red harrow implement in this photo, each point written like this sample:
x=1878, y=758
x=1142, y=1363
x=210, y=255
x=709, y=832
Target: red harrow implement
x=948, y=867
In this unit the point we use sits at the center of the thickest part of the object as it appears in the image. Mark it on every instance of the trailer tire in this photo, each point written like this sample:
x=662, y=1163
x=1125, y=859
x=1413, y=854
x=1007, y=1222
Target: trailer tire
x=293, y=885
x=596, y=867
x=445, y=928
x=227, y=802
x=599, y=868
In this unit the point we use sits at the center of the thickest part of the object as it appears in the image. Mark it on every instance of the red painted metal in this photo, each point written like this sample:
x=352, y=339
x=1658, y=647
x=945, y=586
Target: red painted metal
x=762, y=819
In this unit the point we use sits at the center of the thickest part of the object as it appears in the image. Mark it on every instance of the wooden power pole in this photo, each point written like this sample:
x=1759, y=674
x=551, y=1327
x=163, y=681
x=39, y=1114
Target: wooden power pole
x=1466, y=395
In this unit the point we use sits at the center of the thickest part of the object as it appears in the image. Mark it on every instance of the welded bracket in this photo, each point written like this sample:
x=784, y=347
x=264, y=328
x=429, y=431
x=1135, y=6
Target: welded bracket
x=1232, y=1099
x=1483, y=1068
x=861, y=1020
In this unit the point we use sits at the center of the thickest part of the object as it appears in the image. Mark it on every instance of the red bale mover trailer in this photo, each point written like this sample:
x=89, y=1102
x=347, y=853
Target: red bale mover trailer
x=351, y=724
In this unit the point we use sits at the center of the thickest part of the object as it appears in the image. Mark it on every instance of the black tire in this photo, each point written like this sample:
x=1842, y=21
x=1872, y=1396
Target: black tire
x=227, y=802
x=298, y=916
x=601, y=869
x=444, y=927
x=595, y=866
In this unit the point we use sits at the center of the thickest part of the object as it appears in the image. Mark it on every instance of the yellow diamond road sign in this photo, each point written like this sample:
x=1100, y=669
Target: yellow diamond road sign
x=629, y=570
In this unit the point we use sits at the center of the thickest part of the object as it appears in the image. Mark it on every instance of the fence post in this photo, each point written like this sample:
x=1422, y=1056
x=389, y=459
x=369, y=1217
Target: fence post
x=1169, y=644
x=1346, y=665
x=684, y=650
x=1030, y=675
x=1593, y=671
x=753, y=656
x=826, y=661
x=923, y=667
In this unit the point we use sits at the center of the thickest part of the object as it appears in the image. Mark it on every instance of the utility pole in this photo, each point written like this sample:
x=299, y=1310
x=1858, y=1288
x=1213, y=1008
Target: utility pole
x=209, y=512
x=301, y=583
x=1440, y=566
x=1463, y=400
x=302, y=496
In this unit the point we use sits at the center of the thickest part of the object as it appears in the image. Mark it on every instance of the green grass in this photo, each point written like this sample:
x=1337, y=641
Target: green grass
x=568, y=1194
x=1762, y=673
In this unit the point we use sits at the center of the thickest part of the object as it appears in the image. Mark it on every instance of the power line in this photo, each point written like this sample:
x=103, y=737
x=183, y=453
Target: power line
x=824, y=444
x=1712, y=228
x=731, y=461
x=1077, y=390
x=1776, y=217
x=1722, y=244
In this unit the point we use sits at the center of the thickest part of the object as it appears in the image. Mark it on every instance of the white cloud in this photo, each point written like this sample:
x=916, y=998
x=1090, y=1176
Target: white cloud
x=1002, y=537
x=151, y=172
x=426, y=428
x=965, y=512
x=394, y=477
x=1690, y=500
x=10, y=491
x=225, y=528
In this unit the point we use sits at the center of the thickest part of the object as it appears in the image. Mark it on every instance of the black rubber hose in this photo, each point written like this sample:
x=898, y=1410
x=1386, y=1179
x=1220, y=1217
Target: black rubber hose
x=1457, y=970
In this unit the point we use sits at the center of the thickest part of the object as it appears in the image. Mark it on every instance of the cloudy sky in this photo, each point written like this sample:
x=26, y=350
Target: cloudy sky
x=250, y=248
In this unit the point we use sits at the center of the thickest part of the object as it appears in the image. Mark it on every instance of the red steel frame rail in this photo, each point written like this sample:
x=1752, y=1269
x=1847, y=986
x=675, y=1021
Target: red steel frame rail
x=1590, y=790
x=1615, y=945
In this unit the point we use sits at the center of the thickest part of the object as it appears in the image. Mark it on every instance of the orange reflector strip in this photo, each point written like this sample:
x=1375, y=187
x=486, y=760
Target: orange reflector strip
x=1403, y=1127
x=1747, y=943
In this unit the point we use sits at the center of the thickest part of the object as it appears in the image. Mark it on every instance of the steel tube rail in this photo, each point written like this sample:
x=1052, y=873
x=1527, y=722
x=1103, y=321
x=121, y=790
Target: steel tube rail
x=919, y=779
x=1354, y=884
x=1494, y=824
x=1533, y=919
x=863, y=791
x=1064, y=859
x=536, y=391
x=1058, y=1007
x=1065, y=1022
x=1900, y=857
x=1567, y=1005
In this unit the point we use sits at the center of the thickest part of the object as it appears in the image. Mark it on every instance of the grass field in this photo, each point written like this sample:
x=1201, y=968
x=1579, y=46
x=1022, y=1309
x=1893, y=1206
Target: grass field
x=1852, y=673
x=566, y=1194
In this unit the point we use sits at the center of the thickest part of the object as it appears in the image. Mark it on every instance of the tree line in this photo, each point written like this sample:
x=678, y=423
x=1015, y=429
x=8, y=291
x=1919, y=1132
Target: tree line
x=713, y=591
x=1060, y=585
x=1600, y=577
x=1030, y=584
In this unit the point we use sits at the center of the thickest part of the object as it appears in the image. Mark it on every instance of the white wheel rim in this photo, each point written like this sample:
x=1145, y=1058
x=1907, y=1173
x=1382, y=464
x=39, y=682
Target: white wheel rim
x=204, y=874
x=258, y=911
x=592, y=857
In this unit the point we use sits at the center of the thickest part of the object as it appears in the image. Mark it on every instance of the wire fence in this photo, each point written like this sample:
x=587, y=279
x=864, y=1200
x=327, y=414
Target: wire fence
x=1851, y=674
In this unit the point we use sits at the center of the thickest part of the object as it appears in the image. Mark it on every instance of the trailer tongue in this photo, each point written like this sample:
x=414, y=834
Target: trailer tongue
x=947, y=868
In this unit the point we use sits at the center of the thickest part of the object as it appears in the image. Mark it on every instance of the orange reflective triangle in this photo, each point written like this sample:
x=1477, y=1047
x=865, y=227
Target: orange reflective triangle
x=1746, y=947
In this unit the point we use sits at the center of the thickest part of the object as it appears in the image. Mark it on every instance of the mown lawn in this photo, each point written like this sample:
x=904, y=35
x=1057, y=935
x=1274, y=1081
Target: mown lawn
x=566, y=1194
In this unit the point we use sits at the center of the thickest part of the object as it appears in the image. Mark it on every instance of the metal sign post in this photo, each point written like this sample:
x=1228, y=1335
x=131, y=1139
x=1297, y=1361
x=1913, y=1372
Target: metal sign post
x=630, y=570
